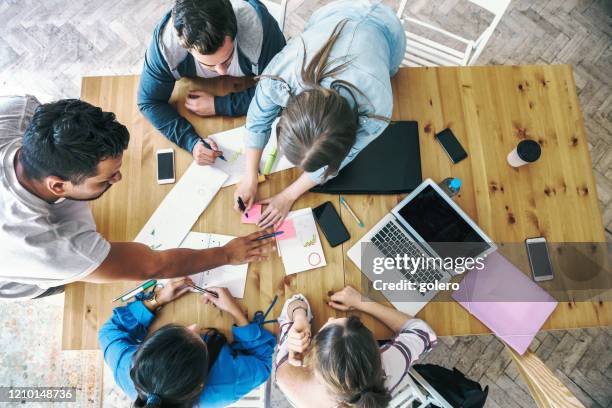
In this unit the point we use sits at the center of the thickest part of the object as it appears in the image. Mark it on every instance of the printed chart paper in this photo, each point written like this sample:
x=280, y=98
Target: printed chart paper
x=304, y=251
x=181, y=208
x=231, y=143
x=232, y=277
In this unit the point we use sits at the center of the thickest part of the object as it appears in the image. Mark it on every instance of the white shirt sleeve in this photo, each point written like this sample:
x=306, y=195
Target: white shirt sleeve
x=414, y=339
x=15, y=115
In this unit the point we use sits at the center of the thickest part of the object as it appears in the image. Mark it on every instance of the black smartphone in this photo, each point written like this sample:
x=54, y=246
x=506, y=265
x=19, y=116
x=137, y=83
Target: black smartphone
x=451, y=145
x=328, y=219
x=539, y=260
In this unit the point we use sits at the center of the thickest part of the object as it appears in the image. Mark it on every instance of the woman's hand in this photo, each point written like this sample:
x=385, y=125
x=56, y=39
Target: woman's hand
x=298, y=340
x=277, y=208
x=246, y=190
x=346, y=299
x=226, y=302
x=173, y=289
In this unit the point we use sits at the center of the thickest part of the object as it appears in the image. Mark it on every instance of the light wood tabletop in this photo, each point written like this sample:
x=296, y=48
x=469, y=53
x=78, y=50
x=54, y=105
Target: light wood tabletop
x=490, y=109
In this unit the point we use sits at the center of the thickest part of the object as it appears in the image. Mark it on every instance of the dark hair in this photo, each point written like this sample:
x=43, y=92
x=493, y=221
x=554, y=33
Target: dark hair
x=171, y=366
x=203, y=24
x=348, y=359
x=68, y=139
x=318, y=127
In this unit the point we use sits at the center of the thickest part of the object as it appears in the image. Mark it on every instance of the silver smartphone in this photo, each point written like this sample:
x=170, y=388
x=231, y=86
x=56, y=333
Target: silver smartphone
x=539, y=260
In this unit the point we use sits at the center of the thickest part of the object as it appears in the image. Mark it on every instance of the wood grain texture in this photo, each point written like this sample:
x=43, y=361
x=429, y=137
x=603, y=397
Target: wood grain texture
x=544, y=386
x=490, y=110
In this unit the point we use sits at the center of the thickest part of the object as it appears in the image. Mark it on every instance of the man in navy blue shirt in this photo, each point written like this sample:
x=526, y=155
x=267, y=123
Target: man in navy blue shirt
x=205, y=38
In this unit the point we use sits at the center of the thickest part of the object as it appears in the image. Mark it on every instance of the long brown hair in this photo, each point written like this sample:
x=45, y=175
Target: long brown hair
x=318, y=127
x=348, y=360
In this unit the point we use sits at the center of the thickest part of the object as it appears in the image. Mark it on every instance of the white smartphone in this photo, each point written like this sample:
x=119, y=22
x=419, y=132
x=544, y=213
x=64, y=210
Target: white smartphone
x=165, y=166
x=539, y=260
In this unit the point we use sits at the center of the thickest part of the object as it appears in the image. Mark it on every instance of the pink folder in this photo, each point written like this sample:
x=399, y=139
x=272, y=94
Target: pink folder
x=506, y=300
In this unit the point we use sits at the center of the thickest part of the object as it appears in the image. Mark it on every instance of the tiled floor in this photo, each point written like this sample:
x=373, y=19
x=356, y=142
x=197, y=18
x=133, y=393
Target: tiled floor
x=46, y=47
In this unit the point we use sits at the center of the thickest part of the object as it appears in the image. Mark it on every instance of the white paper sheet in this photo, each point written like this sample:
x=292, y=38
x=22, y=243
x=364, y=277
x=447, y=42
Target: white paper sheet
x=181, y=208
x=304, y=251
x=231, y=143
x=232, y=277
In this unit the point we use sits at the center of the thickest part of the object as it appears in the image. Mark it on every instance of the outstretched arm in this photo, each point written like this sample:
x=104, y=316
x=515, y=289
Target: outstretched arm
x=350, y=299
x=134, y=261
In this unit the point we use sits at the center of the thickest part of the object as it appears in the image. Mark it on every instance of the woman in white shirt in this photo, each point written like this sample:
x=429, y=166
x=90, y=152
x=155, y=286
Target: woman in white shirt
x=342, y=365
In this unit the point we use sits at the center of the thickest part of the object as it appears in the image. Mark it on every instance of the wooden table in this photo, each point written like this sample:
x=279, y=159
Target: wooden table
x=490, y=109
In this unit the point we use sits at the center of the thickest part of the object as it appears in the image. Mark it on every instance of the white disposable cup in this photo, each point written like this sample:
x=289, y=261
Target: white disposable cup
x=514, y=160
x=527, y=151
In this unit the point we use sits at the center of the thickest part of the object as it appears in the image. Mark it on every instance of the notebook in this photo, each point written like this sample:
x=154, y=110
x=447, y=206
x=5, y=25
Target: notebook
x=506, y=300
x=391, y=164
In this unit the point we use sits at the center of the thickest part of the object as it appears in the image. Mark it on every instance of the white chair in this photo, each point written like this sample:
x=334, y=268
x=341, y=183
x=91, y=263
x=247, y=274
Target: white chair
x=415, y=392
x=257, y=398
x=421, y=51
x=277, y=10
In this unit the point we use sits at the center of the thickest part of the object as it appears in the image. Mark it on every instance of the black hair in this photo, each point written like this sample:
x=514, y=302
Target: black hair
x=68, y=139
x=171, y=366
x=203, y=24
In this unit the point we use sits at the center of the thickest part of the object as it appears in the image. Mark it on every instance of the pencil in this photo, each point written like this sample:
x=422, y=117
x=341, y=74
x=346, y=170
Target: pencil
x=345, y=204
x=203, y=290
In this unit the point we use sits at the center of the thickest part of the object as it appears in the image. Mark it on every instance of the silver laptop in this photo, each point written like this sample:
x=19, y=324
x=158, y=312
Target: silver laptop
x=427, y=224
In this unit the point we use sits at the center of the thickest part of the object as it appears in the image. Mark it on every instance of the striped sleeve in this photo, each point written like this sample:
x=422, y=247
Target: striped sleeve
x=413, y=340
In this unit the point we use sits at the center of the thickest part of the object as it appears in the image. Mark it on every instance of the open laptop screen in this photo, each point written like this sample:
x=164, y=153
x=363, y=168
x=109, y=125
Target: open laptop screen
x=440, y=225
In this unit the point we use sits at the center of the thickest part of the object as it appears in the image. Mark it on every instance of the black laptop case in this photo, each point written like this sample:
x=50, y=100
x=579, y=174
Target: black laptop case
x=391, y=164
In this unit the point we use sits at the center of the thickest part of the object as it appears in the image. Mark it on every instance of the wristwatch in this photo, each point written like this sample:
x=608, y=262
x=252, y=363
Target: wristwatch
x=154, y=302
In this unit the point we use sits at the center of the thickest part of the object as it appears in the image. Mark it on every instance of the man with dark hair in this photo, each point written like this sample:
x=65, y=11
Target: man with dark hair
x=54, y=158
x=205, y=38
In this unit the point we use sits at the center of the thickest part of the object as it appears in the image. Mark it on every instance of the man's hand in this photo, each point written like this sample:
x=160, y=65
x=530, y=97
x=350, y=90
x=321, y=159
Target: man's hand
x=205, y=156
x=201, y=103
x=248, y=249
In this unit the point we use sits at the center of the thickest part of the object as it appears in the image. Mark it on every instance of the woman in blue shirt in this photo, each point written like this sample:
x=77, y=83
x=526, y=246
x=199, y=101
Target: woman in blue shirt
x=178, y=367
x=332, y=89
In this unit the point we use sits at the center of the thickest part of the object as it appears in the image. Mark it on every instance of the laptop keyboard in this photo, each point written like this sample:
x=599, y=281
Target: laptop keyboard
x=391, y=241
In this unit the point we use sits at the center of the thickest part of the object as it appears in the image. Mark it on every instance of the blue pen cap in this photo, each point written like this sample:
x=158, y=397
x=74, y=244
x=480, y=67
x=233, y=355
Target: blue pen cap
x=455, y=184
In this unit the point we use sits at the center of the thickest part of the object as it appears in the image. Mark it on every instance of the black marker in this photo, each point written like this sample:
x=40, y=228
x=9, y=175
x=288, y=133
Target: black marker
x=242, y=207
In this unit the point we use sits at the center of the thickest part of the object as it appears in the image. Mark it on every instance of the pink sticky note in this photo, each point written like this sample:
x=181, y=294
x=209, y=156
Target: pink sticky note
x=288, y=230
x=254, y=215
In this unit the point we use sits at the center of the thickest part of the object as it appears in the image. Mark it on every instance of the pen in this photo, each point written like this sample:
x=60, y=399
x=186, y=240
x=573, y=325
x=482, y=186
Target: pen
x=270, y=235
x=203, y=290
x=270, y=161
x=242, y=207
x=345, y=204
x=208, y=147
x=133, y=292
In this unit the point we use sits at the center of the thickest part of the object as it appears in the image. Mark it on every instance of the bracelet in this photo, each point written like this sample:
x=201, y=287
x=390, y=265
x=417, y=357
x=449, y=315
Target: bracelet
x=154, y=302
